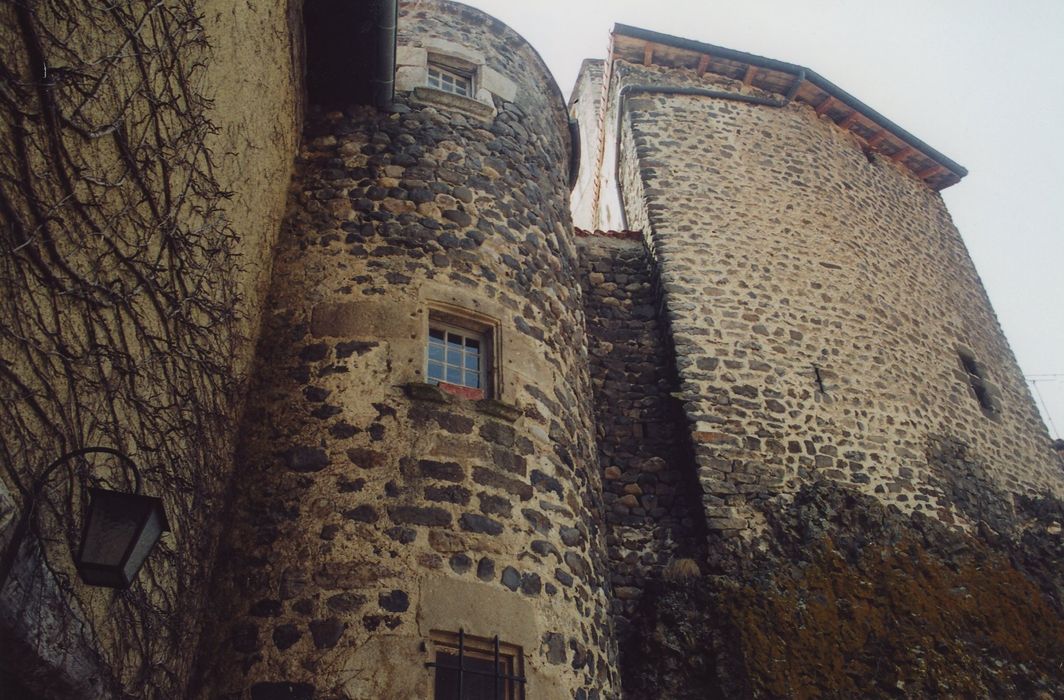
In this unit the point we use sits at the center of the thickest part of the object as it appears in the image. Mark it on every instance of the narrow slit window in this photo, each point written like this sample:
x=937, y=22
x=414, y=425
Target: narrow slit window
x=977, y=382
x=476, y=668
x=450, y=81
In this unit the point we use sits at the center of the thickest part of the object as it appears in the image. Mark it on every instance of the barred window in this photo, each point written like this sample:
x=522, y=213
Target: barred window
x=476, y=668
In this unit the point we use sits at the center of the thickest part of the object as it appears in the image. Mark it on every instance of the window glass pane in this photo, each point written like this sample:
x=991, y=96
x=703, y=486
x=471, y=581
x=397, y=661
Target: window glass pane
x=478, y=682
x=446, y=680
x=472, y=379
x=436, y=351
x=475, y=685
x=435, y=371
x=454, y=357
x=454, y=375
x=454, y=339
x=472, y=344
x=436, y=334
x=472, y=361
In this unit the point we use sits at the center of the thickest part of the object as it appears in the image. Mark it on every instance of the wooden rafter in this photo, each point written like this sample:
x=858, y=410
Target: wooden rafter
x=825, y=105
x=935, y=169
x=703, y=64
x=749, y=77
x=648, y=54
x=877, y=138
x=903, y=153
x=850, y=119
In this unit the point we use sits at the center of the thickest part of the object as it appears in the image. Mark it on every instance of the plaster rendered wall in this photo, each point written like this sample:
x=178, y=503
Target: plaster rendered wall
x=784, y=250
x=372, y=508
x=585, y=106
x=120, y=249
x=255, y=82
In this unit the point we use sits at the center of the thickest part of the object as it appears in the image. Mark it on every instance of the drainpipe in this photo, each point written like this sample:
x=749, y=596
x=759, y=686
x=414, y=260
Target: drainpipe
x=384, y=78
x=697, y=92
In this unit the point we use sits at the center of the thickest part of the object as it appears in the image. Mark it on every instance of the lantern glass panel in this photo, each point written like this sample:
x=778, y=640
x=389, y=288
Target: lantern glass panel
x=120, y=531
x=153, y=528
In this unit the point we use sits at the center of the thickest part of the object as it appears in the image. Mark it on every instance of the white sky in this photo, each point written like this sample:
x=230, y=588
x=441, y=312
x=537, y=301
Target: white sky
x=981, y=81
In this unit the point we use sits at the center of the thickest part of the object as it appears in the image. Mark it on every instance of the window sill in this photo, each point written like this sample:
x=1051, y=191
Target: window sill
x=423, y=391
x=499, y=409
x=462, y=392
x=466, y=105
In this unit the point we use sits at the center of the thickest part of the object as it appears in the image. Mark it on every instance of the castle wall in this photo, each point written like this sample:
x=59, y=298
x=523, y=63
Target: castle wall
x=652, y=513
x=375, y=511
x=819, y=301
x=146, y=156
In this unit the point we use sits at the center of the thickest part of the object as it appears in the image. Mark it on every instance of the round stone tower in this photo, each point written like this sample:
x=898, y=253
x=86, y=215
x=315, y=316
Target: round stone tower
x=417, y=482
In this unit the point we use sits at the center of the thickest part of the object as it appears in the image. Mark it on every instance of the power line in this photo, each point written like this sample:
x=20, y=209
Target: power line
x=1045, y=409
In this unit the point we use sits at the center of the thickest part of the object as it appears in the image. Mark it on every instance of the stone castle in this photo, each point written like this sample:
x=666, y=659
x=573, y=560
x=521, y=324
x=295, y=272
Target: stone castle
x=683, y=387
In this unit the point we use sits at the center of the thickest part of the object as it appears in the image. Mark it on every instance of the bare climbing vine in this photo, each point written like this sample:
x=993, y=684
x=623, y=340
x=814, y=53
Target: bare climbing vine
x=118, y=313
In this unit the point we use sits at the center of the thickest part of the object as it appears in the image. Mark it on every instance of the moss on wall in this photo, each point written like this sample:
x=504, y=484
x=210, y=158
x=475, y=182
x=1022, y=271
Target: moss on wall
x=848, y=598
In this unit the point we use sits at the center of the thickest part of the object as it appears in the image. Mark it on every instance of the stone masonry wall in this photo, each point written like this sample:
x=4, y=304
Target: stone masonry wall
x=653, y=514
x=373, y=509
x=819, y=300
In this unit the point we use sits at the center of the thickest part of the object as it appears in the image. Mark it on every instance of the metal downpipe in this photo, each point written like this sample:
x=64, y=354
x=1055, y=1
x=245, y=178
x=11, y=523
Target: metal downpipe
x=387, y=29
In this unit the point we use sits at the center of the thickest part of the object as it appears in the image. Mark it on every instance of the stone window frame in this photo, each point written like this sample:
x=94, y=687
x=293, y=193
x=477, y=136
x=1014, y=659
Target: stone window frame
x=486, y=83
x=474, y=324
x=511, y=658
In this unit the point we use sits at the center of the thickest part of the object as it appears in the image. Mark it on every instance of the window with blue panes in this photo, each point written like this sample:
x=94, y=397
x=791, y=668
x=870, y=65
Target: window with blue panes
x=457, y=356
x=449, y=81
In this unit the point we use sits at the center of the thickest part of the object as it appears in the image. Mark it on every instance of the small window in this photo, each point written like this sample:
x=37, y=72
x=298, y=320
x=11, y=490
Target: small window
x=978, y=382
x=458, y=357
x=476, y=668
x=450, y=81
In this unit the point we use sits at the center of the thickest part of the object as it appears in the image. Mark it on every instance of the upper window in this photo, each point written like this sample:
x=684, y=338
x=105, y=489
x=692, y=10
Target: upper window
x=449, y=80
x=458, y=357
x=476, y=668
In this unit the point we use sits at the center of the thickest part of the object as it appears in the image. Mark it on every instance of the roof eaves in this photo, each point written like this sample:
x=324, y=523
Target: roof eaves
x=810, y=75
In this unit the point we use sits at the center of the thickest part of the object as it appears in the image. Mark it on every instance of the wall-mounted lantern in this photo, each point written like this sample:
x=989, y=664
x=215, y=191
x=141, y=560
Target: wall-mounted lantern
x=118, y=533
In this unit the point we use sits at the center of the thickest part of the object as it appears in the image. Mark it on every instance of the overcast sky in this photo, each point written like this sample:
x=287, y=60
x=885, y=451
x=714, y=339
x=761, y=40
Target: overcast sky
x=979, y=80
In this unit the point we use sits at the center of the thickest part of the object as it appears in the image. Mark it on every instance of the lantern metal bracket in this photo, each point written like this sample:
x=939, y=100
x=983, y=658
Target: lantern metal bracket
x=23, y=524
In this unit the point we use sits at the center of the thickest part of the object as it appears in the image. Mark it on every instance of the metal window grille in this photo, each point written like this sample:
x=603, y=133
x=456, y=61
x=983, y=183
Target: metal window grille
x=473, y=673
x=449, y=81
x=455, y=356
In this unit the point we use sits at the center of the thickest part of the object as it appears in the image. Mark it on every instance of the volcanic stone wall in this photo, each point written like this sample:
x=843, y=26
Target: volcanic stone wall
x=821, y=301
x=653, y=515
x=372, y=509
